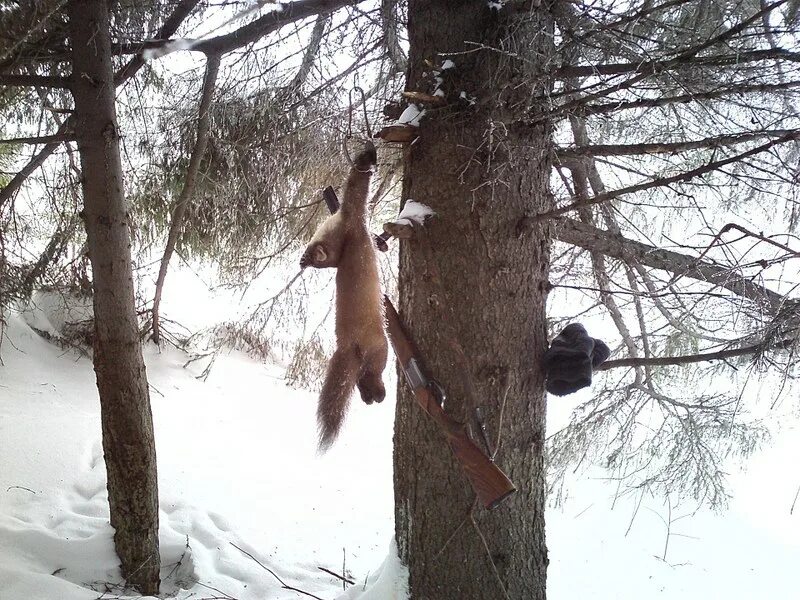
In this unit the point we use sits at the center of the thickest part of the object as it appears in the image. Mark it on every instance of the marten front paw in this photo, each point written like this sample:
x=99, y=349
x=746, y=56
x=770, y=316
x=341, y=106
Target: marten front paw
x=317, y=256
x=367, y=158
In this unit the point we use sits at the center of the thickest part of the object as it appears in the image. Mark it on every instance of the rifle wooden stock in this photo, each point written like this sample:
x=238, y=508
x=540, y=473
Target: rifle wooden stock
x=490, y=483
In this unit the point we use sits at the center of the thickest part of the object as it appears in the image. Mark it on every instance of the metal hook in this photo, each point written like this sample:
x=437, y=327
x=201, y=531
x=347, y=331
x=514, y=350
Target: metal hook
x=364, y=108
x=349, y=135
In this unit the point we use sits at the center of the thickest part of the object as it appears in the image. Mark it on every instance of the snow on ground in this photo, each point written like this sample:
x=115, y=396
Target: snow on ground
x=237, y=465
x=238, y=468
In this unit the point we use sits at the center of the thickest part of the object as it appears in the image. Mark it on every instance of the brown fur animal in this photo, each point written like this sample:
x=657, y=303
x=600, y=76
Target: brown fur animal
x=343, y=241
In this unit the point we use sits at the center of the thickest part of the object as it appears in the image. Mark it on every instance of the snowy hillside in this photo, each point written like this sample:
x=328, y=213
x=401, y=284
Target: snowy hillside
x=241, y=484
x=237, y=465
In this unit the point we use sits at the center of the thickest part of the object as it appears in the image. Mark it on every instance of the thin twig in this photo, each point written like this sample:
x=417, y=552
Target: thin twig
x=19, y=487
x=342, y=578
x=489, y=556
x=213, y=589
x=284, y=585
x=500, y=422
x=457, y=529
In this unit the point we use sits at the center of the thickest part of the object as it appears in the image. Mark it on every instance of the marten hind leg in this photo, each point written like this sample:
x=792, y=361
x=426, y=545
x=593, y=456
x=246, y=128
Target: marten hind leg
x=370, y=380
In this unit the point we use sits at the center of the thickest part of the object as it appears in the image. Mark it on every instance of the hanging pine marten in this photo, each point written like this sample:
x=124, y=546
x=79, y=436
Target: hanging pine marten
x=569, y=361
x=343, y=241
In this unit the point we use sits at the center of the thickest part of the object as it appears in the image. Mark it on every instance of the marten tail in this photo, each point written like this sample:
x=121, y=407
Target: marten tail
x=334, y=398
x=356, y=189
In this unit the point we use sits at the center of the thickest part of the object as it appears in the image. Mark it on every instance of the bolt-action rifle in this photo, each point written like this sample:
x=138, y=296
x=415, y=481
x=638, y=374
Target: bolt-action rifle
x=487, y=480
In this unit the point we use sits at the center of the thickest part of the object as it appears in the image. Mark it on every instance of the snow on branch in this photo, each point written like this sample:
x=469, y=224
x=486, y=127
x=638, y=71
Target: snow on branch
x=280, y=15
x=414, y=213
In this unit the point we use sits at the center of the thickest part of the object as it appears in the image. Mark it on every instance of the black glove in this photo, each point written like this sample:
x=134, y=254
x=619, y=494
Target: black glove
x=569, y=361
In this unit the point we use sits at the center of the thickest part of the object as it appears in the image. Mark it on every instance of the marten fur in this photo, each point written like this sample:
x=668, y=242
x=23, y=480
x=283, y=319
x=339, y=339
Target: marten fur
x=343, y=241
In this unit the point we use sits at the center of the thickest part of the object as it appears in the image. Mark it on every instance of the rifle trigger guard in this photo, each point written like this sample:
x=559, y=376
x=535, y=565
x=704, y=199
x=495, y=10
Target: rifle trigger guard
x=414, y=375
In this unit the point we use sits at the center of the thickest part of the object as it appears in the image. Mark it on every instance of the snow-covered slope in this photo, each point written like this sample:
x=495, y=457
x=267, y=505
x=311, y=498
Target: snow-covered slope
x=237, y=465
x=239, y=475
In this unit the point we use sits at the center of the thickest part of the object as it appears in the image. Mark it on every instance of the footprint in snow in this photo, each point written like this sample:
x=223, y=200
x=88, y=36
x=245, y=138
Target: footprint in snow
x=90, y=488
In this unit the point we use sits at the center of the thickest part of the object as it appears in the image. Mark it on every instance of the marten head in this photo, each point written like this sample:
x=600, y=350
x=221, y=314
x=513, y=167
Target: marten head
x=319, y=255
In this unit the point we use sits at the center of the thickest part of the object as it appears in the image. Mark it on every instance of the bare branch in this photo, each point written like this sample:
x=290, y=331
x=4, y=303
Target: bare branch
x=339, y=577
x=662, y=181
x=591, y=238
x=664, y=361
x=179, y=210
x=668, y=147
x=35, y=80
x=274, y=574
x=167, y=30
x=16, y=182
x=758, y=236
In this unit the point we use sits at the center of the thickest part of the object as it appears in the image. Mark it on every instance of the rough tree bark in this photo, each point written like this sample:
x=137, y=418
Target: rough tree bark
x=480, y=168
x=128, y=441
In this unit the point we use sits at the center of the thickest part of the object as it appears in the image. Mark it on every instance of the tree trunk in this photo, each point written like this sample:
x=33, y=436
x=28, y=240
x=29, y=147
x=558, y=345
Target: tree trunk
x=481, y=168
x=127, y=423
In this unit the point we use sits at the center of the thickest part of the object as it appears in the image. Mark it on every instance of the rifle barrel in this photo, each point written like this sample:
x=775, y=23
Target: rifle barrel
x=490, y=484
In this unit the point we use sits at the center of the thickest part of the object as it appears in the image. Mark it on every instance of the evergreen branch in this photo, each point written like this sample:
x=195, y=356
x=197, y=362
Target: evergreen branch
x=688, y=54
x=390, y=24
x=310, y=54
x=247, y=34
x=252, y=32
x=179, y=209
x=646, y=10
x=36, y=54
x=609, y=107
x=64, y=132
